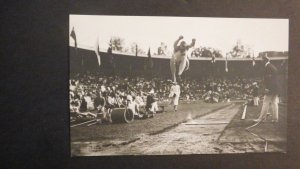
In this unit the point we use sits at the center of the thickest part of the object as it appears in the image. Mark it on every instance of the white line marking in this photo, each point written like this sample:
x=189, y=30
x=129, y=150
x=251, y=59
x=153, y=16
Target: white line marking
x=91, y=124
x=203, y=123
x=244, y=112
x=259, y=136
x=83, y=123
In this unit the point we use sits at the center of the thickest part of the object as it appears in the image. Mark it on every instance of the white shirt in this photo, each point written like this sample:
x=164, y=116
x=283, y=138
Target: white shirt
x=139, y=100
x=110, y=100
x=102, y=88
x=89, y=102
x=132, y=105
x=267, y=63
x=175, y=89
x=129, y=97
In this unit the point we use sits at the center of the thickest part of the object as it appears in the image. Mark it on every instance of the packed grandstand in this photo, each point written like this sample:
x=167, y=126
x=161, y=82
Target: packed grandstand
x=87, y=85
x=122, y=75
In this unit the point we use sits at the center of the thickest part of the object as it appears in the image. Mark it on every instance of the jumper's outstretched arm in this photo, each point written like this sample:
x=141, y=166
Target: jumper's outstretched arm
x=176, y=42
x=192, y=44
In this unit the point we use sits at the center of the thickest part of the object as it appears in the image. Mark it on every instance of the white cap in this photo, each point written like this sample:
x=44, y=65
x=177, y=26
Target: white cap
x=129, y=97
x=151, y=91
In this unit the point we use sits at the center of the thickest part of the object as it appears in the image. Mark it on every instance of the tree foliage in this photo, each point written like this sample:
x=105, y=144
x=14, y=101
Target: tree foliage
x=117, y=43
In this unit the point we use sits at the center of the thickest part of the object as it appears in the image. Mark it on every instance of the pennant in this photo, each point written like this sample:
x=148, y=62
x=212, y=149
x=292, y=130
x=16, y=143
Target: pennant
x=97, y=51
x=253, y=61
x=226, y=64
x=136, y=50
x=150, y=63
x=73, y=35
x=213, y=59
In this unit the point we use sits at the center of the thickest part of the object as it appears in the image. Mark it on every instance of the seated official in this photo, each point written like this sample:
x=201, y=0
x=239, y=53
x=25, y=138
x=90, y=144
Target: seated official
x=83, y=105
x=151, y=103
x=74, y=106
x=89, y=102
x=139, y=100
x=119, y=101
x=111, y=101
x=207, y=96
x=215, y=97
x=99, y=103
x=82, y=110
x=211, y=97
x=133, y=106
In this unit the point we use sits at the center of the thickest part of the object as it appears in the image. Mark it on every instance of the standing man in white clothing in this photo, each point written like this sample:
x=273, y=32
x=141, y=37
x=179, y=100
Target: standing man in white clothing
x=270, y=102
x=255, y=94
x=175, y=94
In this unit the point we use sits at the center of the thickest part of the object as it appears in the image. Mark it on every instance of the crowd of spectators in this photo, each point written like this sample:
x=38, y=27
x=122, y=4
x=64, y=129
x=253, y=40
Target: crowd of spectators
x=89, y=91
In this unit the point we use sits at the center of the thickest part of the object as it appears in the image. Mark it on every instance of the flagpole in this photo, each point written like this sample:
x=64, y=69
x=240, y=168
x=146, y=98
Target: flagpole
x=149, y=64
x=226, y=64
x=136, y=50
x=73, y=35
x=213, y=74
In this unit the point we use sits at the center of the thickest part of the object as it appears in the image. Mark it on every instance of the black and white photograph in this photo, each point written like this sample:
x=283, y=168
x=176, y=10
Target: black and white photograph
x=166, y=85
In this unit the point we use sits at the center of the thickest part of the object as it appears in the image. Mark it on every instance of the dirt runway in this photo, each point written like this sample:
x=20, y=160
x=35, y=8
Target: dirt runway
x=213, y=133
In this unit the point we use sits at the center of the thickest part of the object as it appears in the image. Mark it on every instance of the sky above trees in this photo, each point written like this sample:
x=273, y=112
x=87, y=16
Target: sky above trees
x=149, y=32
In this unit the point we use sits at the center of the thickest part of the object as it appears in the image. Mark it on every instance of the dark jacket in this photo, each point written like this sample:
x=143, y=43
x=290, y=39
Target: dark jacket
x=255, y=91
x=99, y=101
x=149, y=101
x=271, y=79
x=83, y=106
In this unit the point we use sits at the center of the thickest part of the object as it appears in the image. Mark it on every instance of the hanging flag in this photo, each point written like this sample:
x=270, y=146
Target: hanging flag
x=213, y=59
x=253, y=61
x=110, y=55
x=150, y=62
x=97, y=51
x=73, y=35
x=136, y=50
x=226, y=64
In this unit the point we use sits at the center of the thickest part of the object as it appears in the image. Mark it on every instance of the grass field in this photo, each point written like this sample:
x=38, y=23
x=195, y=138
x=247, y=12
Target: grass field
x=159, y=123
x=274, y=133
